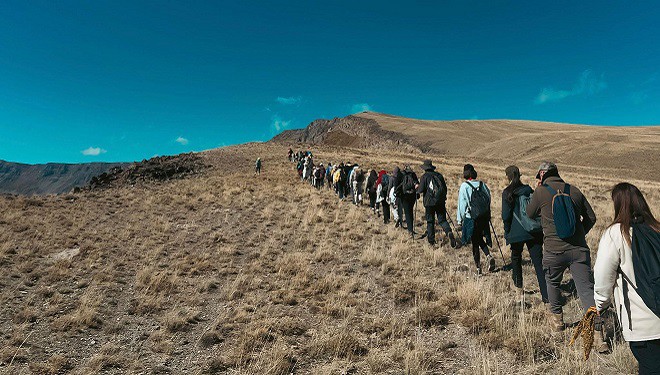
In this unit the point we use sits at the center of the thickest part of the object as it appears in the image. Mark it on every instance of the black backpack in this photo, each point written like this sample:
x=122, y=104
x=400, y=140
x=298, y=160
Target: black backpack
x=435, y=190
x=408, y=184
x=646, y=263
x=479, y=202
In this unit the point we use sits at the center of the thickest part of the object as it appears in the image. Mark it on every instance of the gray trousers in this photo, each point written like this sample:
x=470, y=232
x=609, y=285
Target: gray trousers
x=578, y=260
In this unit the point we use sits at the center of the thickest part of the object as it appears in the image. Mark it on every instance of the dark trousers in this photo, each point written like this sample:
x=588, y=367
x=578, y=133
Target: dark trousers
x=372, y=199
x=647, y=354
x=408, y=206
x=478, y=242
x=578, y=260
x=535, y=248
x=430, y=213
x=341, y=190
x=386, y=211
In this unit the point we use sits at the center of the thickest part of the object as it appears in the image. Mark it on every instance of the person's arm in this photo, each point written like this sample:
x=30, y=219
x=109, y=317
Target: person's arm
x=534, y=205
x=588, y=216
x=507, y=214
x=444, y=186
x=421, y=189
x=606, y=269
x=462, y=204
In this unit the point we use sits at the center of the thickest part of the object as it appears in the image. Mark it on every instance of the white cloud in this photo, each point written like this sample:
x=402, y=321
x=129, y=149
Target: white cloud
x=278, y=124
x=93, y=151
x=181, y=140
x=360, y=107
x=587, y=84
x=289, y=101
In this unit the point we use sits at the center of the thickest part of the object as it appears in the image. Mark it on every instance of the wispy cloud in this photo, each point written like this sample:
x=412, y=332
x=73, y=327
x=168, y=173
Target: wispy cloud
x=93, y=151
x=289, y=101
x=644, y=90
x=587, y=84
x=181, y=141
x=278, y=124
x=360, y=107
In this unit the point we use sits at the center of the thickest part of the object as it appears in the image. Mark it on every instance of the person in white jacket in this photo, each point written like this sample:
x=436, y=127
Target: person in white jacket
x=614, y=263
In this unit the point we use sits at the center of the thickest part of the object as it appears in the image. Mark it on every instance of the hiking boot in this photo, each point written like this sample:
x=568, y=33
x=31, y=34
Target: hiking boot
x=452, y=241
x=398, y=224
x=479, y=273
x=491, y=263
x=557, y=322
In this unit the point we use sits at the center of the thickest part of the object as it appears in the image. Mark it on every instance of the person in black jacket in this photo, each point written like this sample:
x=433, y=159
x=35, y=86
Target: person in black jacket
x=371, y=188
x=517, y=236
x=434, y=189
x=408, y=196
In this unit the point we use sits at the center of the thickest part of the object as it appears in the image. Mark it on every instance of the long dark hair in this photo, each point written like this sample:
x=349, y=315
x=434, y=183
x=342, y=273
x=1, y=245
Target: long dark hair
x=631, y=207
x=514, y=182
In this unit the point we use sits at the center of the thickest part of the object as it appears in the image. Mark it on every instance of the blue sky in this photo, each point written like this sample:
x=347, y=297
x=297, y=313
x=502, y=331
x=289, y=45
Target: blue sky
x=84, y=81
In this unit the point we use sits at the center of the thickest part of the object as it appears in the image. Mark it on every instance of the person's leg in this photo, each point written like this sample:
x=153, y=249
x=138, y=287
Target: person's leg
x=444, y=224
x=647, y=353
x=477, y=242
x=399, y=208
x=429, y=215
x=583, y=276
x=408, y=209
x=535, y=248
x=554, y=266
x=386, y=212
x=516, y=264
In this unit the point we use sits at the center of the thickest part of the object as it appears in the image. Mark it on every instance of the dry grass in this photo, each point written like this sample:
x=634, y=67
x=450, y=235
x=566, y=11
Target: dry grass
x=226, y=273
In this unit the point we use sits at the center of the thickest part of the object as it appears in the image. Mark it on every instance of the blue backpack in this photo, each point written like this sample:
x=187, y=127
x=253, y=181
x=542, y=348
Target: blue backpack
x=529, y=225
x=563, y=212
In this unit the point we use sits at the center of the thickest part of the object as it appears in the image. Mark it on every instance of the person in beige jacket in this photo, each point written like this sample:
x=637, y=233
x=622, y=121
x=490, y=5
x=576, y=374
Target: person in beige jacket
x=640, y=325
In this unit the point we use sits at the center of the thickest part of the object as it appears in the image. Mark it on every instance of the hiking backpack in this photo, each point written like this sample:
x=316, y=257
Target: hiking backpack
x=479, y=202
x=434, y=191
x=385, y=182
x=408, y=184
x=529, y=225
x=563, y=211
x=646, y=264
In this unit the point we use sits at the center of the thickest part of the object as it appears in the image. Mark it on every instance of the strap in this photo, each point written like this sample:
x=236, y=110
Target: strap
x=551, y=190
x=626, y=300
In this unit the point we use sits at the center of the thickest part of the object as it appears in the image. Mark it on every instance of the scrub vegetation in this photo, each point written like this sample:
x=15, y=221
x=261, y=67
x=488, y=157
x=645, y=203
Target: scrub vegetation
x=225, y=272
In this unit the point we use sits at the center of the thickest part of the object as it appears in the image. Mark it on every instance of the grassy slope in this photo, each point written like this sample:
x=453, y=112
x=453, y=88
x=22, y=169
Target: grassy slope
x=230, y=273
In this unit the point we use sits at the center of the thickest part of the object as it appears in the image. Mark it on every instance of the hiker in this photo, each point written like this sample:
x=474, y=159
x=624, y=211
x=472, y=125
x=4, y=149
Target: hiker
x=257, y=166
x=371, y=189
x=381, y=194
x=628, y=250
x=393, y=194
x=352, y=182
x=520, y=230
x=328, y=174
x=433, y=188
x=566, y=217
x=290, y=155
x=357, y=179
x=339, y=179
x=407, y=195
x=299, y=168
x=473, y=215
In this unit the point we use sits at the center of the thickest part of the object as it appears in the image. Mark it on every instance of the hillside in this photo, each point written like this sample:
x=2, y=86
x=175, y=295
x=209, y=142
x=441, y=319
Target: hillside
x=629, y=152
x=224, y=272
x=51, y=178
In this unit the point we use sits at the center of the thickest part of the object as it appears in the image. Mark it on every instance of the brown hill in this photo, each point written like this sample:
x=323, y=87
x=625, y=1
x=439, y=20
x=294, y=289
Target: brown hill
x=629, y=152
x=51, y=178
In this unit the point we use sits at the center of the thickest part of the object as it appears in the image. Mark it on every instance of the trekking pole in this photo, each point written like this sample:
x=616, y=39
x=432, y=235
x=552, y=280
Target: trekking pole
x=451, y=222
x=497, y=240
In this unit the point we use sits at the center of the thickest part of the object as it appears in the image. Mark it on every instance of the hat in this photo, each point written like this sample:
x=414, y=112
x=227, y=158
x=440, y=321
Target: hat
x=511, y=172
x=545, y=167
x=428, y=165
x=468, y=167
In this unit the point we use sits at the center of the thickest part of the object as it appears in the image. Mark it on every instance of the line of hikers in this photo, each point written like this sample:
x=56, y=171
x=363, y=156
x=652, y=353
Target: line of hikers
x=551, y=221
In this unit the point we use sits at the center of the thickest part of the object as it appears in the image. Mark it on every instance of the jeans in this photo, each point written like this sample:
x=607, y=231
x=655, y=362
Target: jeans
x=372, y=199
x=578, y=260
x=386, y=211
x=480, y=226
x=431, y=212
x=647, y=354
x=408, y=206
x=535, y=248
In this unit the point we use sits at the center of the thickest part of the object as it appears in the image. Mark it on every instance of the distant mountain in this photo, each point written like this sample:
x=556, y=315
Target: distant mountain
x=630, y=152
x=51, y=178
